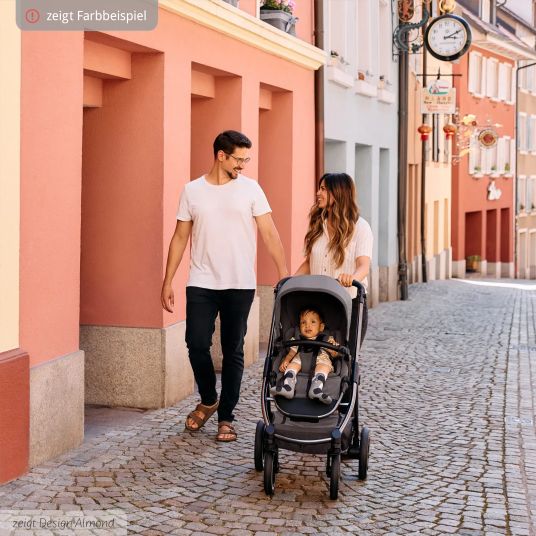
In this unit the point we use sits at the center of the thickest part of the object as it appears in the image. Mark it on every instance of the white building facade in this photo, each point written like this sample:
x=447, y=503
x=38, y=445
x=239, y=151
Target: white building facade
x=361, y=122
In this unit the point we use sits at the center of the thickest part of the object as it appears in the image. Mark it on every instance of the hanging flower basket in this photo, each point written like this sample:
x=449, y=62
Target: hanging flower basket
x=280, y=19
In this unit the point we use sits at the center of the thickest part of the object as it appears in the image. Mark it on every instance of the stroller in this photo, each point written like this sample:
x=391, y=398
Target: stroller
x=301, y=424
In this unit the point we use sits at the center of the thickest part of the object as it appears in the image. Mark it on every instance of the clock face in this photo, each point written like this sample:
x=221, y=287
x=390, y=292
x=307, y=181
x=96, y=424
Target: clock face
x=447, y=37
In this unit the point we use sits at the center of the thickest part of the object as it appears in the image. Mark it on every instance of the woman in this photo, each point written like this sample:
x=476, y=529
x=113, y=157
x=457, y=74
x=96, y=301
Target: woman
x=338, y=242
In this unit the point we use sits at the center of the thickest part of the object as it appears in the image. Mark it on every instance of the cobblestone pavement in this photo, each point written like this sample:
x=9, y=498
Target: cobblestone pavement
x=447, y=391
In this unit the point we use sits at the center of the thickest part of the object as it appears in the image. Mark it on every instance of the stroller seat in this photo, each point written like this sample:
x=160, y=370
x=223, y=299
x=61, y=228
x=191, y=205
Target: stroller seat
x=301, y=407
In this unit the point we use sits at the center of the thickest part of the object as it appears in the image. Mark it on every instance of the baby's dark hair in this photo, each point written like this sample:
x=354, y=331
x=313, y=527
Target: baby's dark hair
x=308, y=309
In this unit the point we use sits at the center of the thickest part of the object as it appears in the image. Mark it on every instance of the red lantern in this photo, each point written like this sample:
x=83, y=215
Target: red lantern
x=424, y=130
x=449, y=130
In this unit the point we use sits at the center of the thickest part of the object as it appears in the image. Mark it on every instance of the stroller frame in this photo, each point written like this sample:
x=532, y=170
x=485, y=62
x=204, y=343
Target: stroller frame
x=350, y=442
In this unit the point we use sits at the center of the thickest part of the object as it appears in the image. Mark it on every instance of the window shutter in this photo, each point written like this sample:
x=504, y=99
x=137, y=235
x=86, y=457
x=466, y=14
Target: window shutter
x=528, y=133
x=513, y=92
x=501, y=153
x=501, y=94
x=512, y=160
x=472, y=74
x=483, y=76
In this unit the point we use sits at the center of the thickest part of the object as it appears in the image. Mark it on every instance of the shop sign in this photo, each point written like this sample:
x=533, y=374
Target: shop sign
x=487, y=138
x=438, y=98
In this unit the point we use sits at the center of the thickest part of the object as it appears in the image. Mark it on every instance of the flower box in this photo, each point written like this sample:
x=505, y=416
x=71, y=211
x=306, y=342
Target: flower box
x=280, y=19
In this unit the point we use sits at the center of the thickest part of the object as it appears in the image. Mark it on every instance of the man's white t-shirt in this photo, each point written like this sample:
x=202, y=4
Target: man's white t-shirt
x=223, y=233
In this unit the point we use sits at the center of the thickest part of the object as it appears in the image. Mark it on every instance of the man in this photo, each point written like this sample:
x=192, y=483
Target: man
x=218, y=210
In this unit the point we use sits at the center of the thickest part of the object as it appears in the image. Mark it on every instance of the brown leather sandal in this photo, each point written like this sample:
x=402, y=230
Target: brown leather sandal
x=200, y=415
x=226, y=432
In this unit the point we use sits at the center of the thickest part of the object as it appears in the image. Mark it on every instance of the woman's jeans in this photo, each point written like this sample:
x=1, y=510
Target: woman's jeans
x=202, y=307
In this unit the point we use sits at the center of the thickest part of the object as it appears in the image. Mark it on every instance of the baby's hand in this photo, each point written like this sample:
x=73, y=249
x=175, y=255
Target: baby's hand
x=331, y=340
x=283, y=366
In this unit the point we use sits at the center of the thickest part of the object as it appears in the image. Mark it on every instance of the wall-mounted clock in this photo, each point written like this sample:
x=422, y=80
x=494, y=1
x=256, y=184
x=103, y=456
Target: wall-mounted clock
x=447, y=37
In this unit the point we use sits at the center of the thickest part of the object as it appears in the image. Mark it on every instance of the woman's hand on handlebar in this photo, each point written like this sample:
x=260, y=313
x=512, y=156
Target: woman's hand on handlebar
x=345, y=279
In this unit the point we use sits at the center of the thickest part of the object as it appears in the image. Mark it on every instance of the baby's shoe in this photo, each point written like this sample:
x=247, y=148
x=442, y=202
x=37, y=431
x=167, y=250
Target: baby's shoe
x=287, y=388
x=316, y=391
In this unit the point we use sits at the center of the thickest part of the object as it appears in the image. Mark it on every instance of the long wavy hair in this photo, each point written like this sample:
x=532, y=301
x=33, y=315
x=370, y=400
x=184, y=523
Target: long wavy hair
x=342, y=211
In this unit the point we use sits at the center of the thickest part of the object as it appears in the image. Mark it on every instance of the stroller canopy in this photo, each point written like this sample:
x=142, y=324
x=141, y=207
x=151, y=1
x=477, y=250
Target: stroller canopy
x=322, y=293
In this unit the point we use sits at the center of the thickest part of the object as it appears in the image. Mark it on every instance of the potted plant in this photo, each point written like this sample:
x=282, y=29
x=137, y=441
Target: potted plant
x=279, y=13
x=472, y=263
x=507, y=167
x=477, y=171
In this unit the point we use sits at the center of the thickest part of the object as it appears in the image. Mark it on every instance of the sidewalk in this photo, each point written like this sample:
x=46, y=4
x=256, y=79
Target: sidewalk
x=447, y=392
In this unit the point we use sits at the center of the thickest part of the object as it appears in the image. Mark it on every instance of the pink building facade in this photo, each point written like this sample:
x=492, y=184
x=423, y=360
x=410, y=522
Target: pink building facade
x=112, y=125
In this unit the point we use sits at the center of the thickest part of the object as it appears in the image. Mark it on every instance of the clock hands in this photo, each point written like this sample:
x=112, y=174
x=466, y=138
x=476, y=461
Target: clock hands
x=452, y=35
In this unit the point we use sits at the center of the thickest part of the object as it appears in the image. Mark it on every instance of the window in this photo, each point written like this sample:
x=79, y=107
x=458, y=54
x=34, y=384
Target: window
x=490, y=159
x=505, y=82
x=513, y=151
x=531, y=133
x=485, y=10
x=531, y=194
x=385, y=43
x=338, y=38
x=476, y=163
x=527, y=78
x=492, y=68
x=475, y=73
x=522, y=132
x=364, y=37
x=522, y=193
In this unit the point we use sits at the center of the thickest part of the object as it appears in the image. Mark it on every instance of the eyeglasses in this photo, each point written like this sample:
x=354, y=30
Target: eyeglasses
x=239, y=161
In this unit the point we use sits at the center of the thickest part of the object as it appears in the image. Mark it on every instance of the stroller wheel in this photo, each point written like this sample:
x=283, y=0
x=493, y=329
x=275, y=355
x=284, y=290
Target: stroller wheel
x=364, y=447
x=259, y=446
x=335, y=474
x=269, y=473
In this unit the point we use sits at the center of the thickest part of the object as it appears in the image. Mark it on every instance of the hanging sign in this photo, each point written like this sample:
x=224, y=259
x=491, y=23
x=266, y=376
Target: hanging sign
x=438, y=98
x=487, y=138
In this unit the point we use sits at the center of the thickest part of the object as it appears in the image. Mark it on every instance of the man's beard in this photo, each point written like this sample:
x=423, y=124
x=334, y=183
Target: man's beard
x=230, y=174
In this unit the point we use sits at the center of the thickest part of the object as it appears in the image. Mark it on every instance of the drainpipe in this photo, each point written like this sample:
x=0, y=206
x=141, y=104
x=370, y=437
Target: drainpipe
x=403, y=74
x=516, y=183
x=423, y=175
x=319, y=91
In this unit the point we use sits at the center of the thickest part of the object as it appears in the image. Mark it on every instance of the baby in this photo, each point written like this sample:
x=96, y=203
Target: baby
x=311, y=325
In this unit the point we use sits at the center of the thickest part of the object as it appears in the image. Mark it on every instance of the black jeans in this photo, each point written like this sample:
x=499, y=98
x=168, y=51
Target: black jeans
x=202, y=307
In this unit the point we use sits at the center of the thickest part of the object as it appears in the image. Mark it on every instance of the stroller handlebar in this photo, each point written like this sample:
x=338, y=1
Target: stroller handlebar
x=355, y=283
x=320, y=344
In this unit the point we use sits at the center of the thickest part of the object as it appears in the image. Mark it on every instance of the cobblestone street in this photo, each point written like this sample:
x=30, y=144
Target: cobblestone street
x=447, y=391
